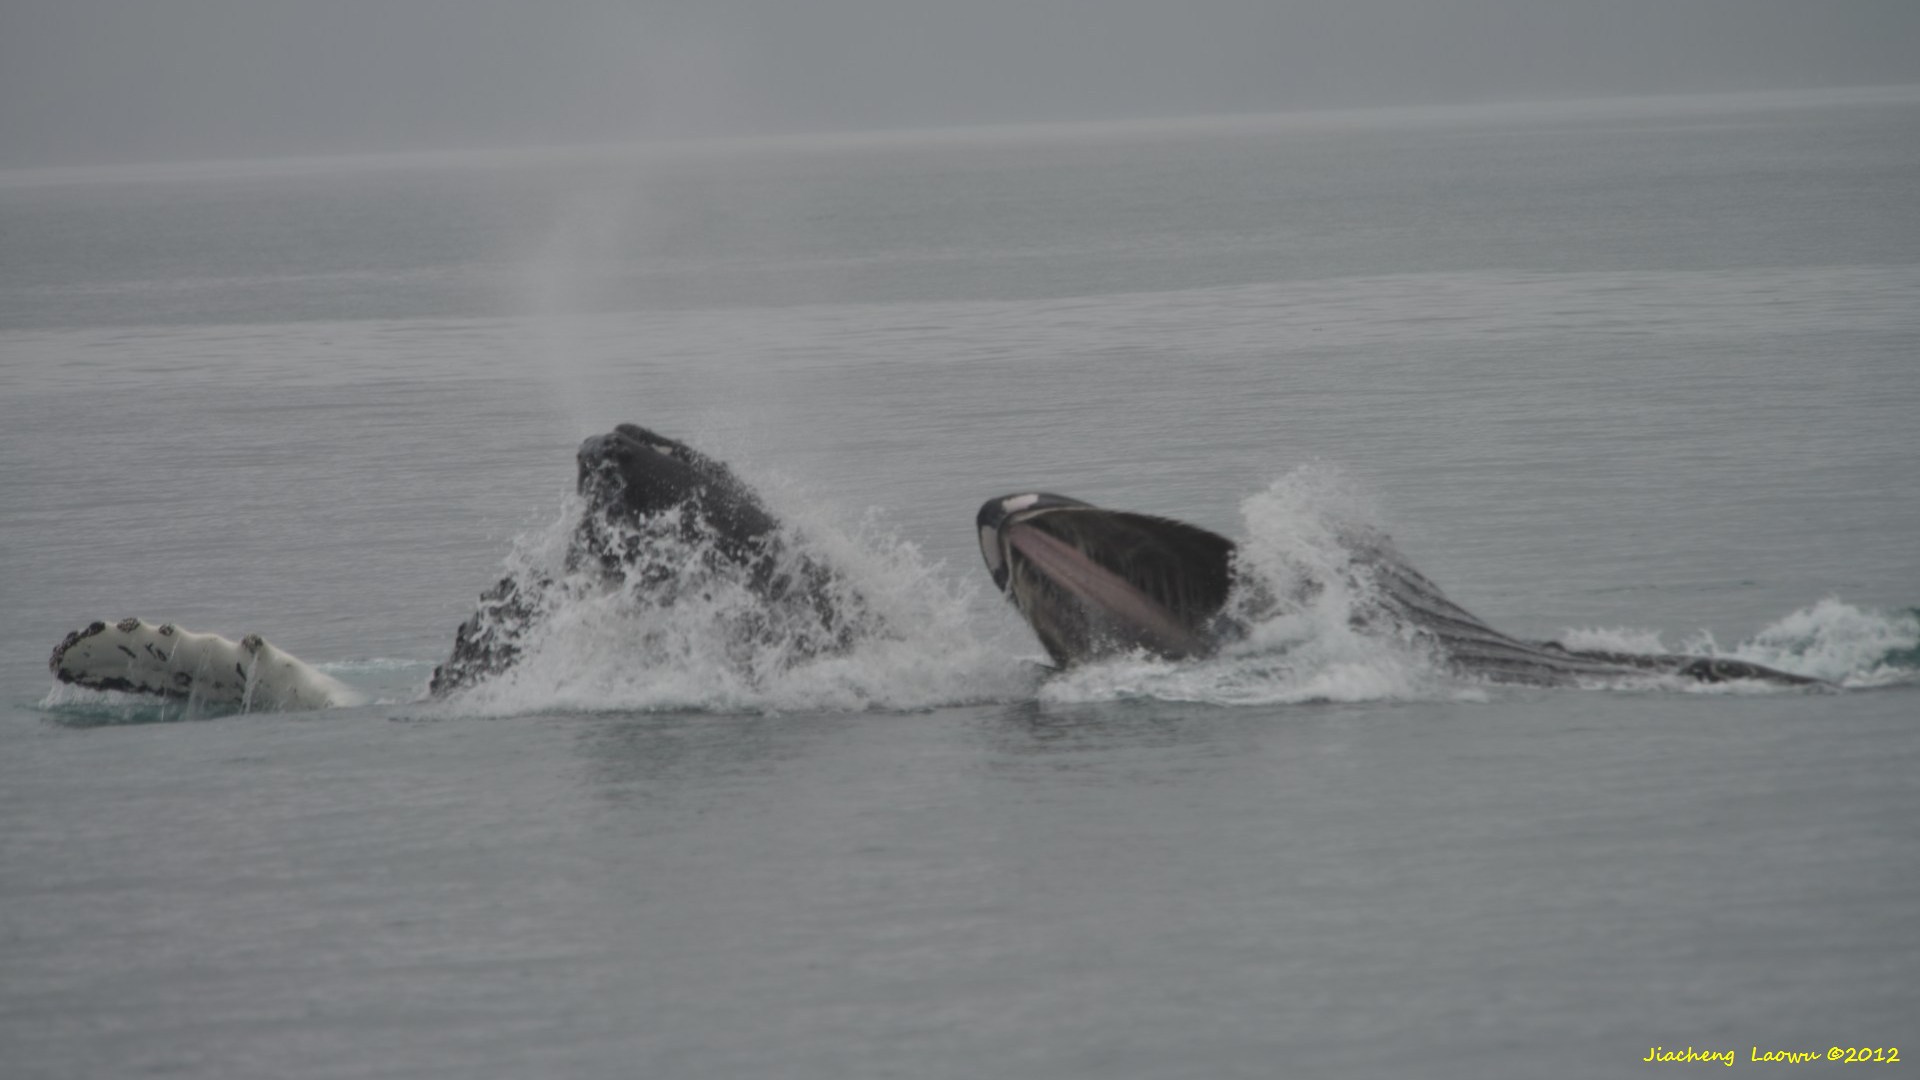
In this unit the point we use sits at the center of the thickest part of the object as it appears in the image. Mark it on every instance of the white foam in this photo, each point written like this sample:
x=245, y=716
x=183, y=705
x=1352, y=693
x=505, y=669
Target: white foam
x=1309, y=647
x=1614, y=639
x=1837, y=641
x=1831, y=640
x=697, y=636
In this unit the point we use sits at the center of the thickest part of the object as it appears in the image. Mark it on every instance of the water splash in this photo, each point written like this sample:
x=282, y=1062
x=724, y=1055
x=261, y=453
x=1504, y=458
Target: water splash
x=1305, y=602
x=80, y=707
x=687, y=630
x=684, y=627
x=1315, y=631
x=1852, y=646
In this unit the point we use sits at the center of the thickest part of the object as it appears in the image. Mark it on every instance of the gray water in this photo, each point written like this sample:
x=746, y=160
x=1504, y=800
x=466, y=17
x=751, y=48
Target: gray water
x=1634, y=373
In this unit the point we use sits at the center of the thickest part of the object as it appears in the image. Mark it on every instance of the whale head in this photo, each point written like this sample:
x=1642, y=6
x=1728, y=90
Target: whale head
x=1094, y=582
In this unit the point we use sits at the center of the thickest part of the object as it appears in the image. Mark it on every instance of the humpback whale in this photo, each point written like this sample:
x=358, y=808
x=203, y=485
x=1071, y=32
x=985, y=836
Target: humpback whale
x=634, y=480
x=1097, y=583
x=636, y=485
x=661, y=520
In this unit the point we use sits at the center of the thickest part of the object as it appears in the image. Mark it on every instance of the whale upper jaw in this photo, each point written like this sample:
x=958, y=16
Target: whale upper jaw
x=997, y=515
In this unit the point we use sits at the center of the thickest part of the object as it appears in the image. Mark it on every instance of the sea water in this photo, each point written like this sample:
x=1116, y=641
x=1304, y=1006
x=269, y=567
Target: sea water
x=1630, y=374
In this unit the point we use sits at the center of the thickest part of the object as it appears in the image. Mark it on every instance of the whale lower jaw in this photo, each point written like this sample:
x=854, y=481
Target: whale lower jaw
x=138, y=657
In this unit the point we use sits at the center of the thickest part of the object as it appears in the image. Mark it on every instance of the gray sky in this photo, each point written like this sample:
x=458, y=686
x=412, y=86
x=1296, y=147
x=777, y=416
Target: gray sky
x=85, y=81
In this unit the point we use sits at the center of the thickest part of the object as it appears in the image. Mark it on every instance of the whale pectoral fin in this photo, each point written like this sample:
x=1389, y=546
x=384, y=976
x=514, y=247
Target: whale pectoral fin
x=137, y=657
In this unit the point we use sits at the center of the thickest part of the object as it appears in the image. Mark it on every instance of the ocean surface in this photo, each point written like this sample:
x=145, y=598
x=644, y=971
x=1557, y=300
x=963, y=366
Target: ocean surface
x=1639, y=373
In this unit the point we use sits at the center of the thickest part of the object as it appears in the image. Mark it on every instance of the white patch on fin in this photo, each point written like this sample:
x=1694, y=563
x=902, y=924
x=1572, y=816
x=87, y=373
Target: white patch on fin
x=1018, y=503
x=135, y=656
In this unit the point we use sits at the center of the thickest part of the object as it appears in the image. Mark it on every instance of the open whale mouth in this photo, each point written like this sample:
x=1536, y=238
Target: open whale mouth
x=1093, y=582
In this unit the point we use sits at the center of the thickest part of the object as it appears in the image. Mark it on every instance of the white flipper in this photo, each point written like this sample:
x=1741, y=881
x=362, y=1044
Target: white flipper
x=138, y=657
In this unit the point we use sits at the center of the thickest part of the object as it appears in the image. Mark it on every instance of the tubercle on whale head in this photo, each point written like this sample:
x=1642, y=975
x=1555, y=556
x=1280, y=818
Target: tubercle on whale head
x=637, y=471
x=74, y=637
x=997, y=514
x=631, y=478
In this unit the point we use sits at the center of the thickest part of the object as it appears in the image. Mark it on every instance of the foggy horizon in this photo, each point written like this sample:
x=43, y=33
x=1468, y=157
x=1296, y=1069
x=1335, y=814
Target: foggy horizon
x=90, y=82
